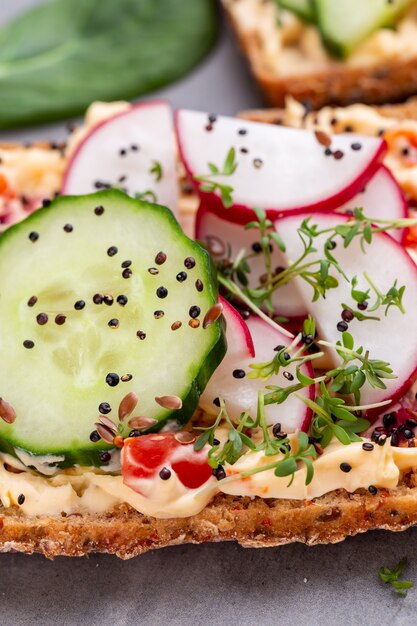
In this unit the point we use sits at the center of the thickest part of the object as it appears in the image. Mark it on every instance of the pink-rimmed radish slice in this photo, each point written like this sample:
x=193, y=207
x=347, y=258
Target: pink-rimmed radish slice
x=239, y=340
x=394, y=337
x=279, y=169
x=241, y=393
x=383, y=199
x=220, y=236
x=134, y=150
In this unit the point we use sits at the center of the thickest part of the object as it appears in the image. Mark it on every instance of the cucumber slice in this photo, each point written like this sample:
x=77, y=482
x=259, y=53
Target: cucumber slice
x=344, y=24
x=62, y=256
x=301, y=8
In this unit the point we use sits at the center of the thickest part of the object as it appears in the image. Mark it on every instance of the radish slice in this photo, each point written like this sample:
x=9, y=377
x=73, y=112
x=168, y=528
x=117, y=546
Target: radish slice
x=383, y=199
x=394, y=337
x=241, y=394
x=280, y=169
x=121, y=152
x=239, y=340
x=219, y=235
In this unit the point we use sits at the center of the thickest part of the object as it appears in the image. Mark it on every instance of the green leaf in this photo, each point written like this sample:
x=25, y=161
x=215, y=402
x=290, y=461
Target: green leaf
x=202, y=440
x=341, y=434
x=286, y=467
x=276, y=237
x=58, y=57
x=348, y=341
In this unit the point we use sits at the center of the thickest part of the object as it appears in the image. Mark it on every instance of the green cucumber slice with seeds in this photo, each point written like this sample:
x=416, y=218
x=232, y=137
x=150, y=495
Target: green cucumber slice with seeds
x=59, y=341
x=302, y=8
x=344, y=24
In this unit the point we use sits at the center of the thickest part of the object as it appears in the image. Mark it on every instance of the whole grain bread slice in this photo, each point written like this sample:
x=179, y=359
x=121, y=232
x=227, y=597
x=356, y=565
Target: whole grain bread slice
x=253, y=523
x=339, y=84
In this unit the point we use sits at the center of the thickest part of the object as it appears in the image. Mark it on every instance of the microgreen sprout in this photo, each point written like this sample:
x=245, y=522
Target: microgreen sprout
x=209, y=184
x=157, y=170
x=391, y=577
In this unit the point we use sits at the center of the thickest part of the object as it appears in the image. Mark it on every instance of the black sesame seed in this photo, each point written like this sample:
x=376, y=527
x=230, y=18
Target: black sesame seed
x=408, y=434
x=108, y=299
x=219, y=472
x=113, y=323
x=216, y=402
x=362, y=306
x=68, y=228
x=342, y=326
x=389, y=419
x=345, y=467
x=94, y=436
x=165, y=473
x=375, y=436
x=194, y=311
x=212, y=118
x=181, y=276
x=99, y=210
x=141, y=335
x=382, y=440
x=29, y=344
x=112, y=251
x=286, y=356
x=239, y=373
x=60, y=319
x=338, y=154
x=42, y=319
x=112, y=379
x=288, y=375
x=367, y=446
x=98, y=298
x=135, y=433
x=216, y=442
x=199, y=285
x=411, y=423
x=32, y=301
x=244, y=314
x=160, y=258
x=356, y=146
x=189, y=262
x=79, y=305
x=242, y=131
x=46, y=202
x=127, y=263
x=279, y=348
x=134, y=147
x=158, y=314
x=308, y=339
x=127, y=273
x=256, y=247
x=104, y=408
x=276, y=430
x=244, y=150
x=327, y=152
x=126, y=378
x=105, y=457
x=162, y=292
x=372, y=490
x=122, y=152
x=21, y=499
x=122, y=300
x=347, y=315
x=33, y=236
x=153, y=271
x=331, y=245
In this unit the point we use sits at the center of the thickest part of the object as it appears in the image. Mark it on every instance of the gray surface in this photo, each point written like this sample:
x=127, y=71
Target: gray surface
x=219, y=584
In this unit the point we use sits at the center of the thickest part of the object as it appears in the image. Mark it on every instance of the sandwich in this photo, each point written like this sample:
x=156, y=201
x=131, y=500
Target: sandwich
x=325, y=52
x=254, y=382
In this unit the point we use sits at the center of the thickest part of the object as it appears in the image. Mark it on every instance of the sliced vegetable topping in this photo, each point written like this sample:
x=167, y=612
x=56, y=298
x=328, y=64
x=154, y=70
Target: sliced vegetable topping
x=85, y=323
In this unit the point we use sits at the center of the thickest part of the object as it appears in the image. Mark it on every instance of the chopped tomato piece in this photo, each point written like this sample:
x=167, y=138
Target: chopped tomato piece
x=5, y=189
x=145, y=456
x=402, y=143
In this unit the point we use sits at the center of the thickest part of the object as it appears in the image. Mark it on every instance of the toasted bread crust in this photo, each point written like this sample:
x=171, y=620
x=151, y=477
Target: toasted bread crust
x=339, y=85
x=251, y=522
x=403, y=111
